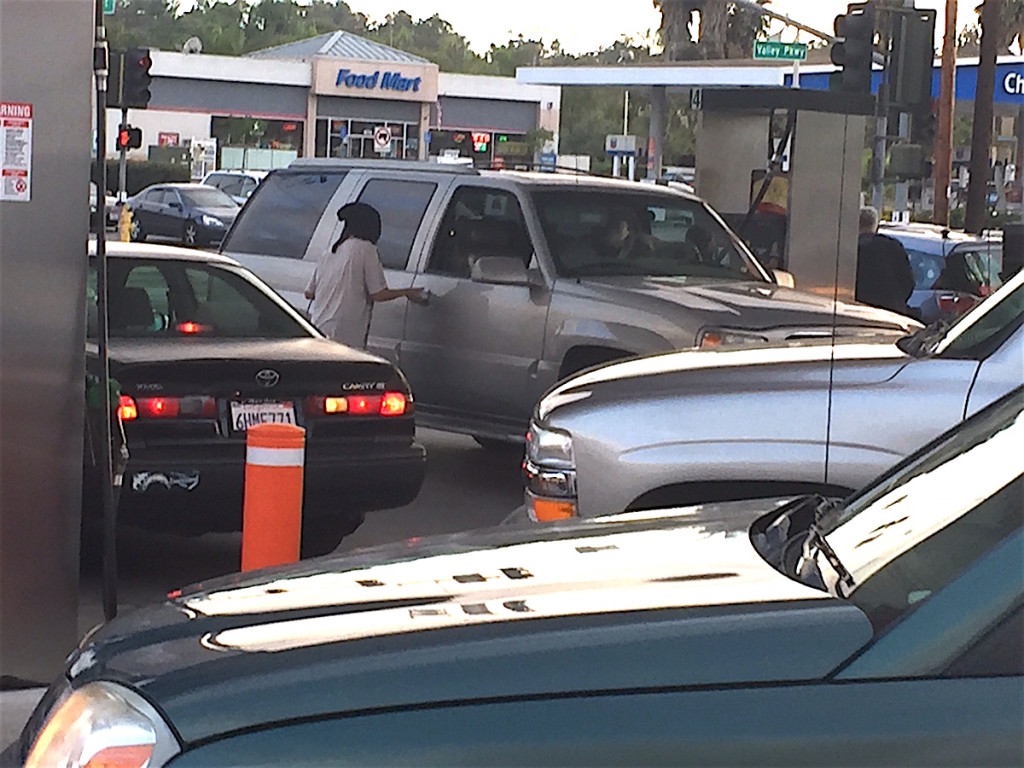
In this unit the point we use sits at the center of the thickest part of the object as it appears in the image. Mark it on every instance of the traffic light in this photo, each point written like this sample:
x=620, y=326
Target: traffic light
x=923, y=126
x=911, y=59
x=115, y=78
x=129, y=137
x=136, y=78
x=854, y=49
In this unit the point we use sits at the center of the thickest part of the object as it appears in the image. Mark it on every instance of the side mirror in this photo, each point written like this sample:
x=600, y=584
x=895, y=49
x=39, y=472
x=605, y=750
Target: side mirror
x=500, y=270
x=784, y=279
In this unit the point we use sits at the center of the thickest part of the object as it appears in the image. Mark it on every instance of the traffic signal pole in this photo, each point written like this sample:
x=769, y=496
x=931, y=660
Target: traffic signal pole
x=101, y=69
x=122, y=168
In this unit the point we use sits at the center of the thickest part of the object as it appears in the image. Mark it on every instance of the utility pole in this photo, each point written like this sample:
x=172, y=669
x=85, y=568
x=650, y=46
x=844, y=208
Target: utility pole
x=981, y=138
x=944, y=134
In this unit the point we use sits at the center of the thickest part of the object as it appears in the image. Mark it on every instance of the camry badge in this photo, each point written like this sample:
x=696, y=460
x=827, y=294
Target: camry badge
x=268, y=378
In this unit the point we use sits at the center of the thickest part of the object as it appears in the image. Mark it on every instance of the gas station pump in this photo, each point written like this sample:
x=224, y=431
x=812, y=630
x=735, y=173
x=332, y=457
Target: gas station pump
x=787, y=163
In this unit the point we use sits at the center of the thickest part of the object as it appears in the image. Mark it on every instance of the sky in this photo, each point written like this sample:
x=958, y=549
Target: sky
x=585, y=25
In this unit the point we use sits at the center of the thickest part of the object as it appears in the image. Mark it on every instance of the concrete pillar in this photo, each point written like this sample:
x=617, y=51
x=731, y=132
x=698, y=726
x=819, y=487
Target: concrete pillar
x=656, y=140
x=730, y=147
x=824, y=202
x=423, y=152
x=42, y=334
x=309, y=134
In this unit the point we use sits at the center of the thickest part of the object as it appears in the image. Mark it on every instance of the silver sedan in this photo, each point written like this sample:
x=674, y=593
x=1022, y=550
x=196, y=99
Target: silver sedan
x=703, y=425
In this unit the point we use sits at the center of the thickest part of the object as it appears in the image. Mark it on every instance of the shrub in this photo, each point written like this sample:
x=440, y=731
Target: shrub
x=143, y=173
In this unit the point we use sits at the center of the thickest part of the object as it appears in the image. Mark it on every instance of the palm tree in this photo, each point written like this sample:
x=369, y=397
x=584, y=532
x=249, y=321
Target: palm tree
x=708, y=29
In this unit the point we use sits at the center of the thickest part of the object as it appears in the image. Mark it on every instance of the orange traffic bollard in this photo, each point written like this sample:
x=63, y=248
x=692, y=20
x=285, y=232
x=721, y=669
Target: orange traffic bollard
x=272, y=510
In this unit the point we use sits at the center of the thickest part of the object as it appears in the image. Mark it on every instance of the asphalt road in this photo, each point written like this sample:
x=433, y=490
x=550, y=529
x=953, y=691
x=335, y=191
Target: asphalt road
x=466, y=487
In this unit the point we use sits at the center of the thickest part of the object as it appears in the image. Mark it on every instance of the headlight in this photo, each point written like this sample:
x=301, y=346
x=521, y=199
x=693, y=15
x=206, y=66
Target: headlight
x=713, y=338
x=103, y=724
x=212, y=221
x=549, y=448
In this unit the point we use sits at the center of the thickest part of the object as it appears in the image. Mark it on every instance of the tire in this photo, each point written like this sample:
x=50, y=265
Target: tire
x=323, y=535
x=190, y=235
x=137, y=233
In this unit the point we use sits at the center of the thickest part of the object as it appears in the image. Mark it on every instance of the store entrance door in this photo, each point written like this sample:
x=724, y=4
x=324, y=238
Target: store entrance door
x=361, y=146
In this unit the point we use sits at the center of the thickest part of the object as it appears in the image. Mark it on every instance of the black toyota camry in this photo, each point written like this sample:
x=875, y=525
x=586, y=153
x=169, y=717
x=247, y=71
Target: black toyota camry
x=201, y=350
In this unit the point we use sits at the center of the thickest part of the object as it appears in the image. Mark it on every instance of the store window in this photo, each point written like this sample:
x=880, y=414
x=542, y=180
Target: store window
x=343, y=138
x=245, y=143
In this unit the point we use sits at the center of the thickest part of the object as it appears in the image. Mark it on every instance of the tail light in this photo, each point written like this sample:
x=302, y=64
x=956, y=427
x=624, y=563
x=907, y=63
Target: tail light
x=955, y=304
x=131, y=408
x=388, y=404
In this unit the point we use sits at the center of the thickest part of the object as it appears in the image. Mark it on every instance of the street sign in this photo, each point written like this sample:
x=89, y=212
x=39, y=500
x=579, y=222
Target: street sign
x=764, y=49
x=108, y=6
x=382, y=139
x=621, y=146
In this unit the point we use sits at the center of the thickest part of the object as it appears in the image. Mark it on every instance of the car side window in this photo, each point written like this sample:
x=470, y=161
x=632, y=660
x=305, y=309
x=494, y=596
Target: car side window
x=283, y=214
x=248, y=186
x=926, y=268
x=402, y=205
x=480, y=221
x=1000, y=652
x=231, y=185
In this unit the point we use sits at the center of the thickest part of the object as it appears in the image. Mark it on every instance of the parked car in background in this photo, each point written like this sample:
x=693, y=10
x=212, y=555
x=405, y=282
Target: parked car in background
x=192, y=214
x=238, y=185
x=700, y=426
x=953, y=270
x=883, y=631
x=202, y=350
x=532, y=276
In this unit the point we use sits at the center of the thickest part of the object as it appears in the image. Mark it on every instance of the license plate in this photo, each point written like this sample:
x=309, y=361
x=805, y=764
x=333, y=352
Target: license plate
x=249, y=414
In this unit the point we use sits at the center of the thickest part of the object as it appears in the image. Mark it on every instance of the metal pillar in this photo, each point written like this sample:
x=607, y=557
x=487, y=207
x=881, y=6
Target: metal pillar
x=42, y=336
x=656, y=141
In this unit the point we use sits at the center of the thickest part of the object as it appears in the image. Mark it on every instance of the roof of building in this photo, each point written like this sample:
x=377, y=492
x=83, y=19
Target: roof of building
x=339, y=45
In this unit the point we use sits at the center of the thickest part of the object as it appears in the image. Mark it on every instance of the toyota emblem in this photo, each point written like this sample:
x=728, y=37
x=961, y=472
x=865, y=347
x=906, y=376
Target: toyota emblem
x=268, y=378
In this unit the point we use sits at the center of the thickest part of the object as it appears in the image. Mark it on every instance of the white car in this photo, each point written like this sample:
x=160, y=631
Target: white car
x=238, y=185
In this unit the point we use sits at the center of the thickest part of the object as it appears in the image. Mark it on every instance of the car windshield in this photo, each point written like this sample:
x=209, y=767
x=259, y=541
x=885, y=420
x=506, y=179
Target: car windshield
x=595, y=233
x=922, y=525
x=161, y=298
x=207, y=197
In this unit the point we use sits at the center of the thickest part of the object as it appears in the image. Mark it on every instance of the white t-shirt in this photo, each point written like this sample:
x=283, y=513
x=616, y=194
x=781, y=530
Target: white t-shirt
x=342, y=285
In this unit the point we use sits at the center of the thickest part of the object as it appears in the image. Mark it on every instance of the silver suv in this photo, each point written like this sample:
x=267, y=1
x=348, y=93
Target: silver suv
x=700, y=426
x=532, y=277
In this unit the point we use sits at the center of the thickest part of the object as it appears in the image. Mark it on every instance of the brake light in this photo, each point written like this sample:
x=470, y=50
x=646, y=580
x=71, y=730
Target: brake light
x=190, y=328
x=167, y=408
x=159, y=407
x=388, y=404
x=127, y=410
x=392, y=404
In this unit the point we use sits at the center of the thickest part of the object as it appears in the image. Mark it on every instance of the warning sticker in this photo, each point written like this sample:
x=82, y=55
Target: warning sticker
x=15, y=151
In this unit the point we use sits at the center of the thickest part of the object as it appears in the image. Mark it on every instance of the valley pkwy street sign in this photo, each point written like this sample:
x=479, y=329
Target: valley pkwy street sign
x=780, y=51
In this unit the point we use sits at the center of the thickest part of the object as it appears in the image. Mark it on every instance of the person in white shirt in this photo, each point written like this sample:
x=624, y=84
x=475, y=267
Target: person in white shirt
x=349, y=279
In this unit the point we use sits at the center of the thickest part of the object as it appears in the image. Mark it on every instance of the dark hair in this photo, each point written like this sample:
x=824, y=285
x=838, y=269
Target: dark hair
x=361, y=221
